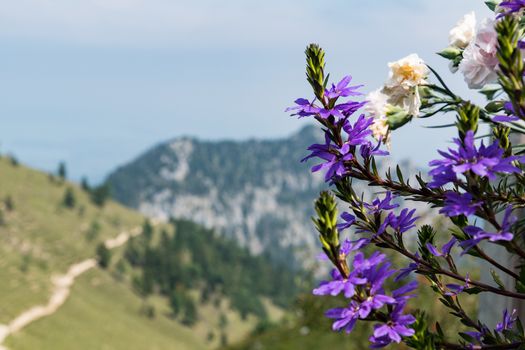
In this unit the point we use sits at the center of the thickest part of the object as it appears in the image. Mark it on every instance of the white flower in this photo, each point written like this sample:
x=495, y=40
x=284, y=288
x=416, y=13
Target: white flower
x=407, y=73
x=480, y=61
x=377, y=107
x=464, y=31
x=408, y=100
x=377, y=104
x=380, y=130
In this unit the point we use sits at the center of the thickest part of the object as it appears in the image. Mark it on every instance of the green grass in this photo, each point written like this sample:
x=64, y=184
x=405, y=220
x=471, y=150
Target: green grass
x=103, y=314
x=40, y=237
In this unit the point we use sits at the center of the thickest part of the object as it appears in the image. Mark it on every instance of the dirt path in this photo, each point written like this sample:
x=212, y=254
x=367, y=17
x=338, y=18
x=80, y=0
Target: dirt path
x=61, y=288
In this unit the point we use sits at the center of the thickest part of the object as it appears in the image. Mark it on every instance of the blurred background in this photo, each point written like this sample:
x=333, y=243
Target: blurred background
x=151, y=194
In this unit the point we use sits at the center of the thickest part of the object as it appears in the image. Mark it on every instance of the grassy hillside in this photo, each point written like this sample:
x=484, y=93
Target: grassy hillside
x=43, y=232
x=40, y=237
x=102, y=314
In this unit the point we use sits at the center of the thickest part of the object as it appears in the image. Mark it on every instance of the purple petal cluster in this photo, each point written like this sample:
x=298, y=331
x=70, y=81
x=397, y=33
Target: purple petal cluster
x=305, y=108
x=379, y=205
x=483, y=161
x=359, y=131
x=455, y=289
x=348, y=219
x=477, y=234
x=511, y=6
x=509, y=108
x=393, y=330
x=364, y=286
x=402, y=222
x=445, y=250
x=404, y=272
x=334, y=156
x=367, y=149
x=508, y=321
x=339, y=285
x=459, y=204
x=341, y=89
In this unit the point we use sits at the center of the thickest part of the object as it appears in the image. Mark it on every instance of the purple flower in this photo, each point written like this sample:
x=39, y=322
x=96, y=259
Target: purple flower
x=404, y=221
x=340, y=111
x=378, y=205
x=303, y=108
x=475, y=335
x=349, y=221
x=511, y=6
x=333, y=156
x=404, y=272
x=342, y=89
x=507, y=322
x=505, y=118
x=459, y=204
x=375, y=272
x=509, y=108
x=482, y=161
x=393, y=330
x=456, y=289
x=445, y=250
x=359, y=132
x=363, y=264
x=347, y=247
x=477, y=234
x=400, y=294
x=350, y=246
x=346, y=317
x=339, y=285
x=367, y=150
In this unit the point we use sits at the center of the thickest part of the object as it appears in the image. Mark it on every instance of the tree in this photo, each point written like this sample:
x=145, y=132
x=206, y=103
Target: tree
x=13, y=160
x=176, y=302
x=148, y=310
x=2, y=218
x=69, y=200
x=84, y=183
x=190, y=312
x=100, y=194
x=62, y=171
x=9, y=203
x=147, y=229
x=93, y=230
x=103, y=255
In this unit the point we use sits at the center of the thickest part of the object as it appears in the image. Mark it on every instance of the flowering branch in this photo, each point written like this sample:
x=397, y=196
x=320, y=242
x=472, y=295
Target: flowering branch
x=470, y=180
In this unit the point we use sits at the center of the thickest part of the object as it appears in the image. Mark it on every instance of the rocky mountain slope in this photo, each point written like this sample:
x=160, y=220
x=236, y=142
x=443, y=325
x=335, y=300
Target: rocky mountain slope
x=256, y=191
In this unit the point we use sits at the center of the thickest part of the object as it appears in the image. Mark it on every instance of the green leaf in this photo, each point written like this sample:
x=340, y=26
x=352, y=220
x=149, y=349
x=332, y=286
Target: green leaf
x=492, y=4
x=473, y=290
x=399, y=174
x=497, y=279
x=490, y=90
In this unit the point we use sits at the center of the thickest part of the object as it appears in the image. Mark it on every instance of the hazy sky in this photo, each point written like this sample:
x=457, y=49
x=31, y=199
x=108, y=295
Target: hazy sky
x=96, y=82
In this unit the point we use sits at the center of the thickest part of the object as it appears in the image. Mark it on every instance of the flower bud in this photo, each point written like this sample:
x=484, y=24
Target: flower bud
x=315, y=69
x=397, y=117
x=494, y=106
x=450, y=53
x=501, y=134
x=467, y=119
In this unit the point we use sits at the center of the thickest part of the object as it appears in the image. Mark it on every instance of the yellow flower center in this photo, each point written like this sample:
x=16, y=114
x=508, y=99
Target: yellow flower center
x=407, y=72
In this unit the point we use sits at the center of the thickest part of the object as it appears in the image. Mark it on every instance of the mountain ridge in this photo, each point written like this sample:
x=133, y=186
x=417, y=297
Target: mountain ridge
x=256, y=191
